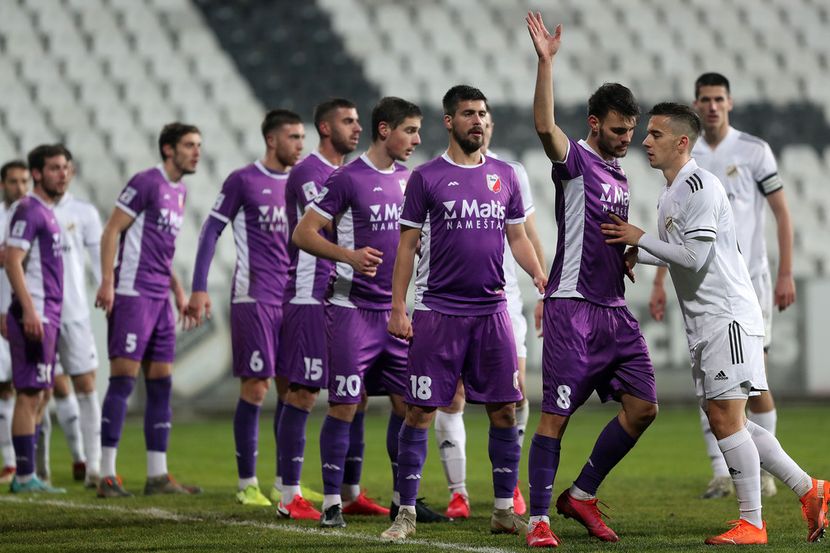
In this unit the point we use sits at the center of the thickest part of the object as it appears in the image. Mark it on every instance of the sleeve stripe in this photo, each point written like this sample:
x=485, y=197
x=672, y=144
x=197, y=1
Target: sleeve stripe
x=126, y=210
x=408, y=223
x=322, y=211
x=702, y=230
x=770, y=184
x=517, y=221
x=20, y=243
x=219, y=216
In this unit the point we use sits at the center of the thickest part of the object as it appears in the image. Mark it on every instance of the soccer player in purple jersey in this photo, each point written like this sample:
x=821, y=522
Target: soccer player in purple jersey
x=253, y=201
x=135, y=295
x=34, y=267
x=591, y=340
x=460, y=207
x=302, y=359
x=14, y=176
x=362, y=200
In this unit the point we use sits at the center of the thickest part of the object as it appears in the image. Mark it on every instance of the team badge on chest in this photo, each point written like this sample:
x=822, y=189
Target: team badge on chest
x=494, y=183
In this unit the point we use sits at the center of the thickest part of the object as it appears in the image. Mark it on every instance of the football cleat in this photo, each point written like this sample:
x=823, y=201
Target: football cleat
x=252, y=496
x=33, y=485
x=422, y=512
x=308, y=493
x=814, y=509
x=78, y=471
x=7, y=474
x=719, y=486
x=299, y=509
x=333, y=518
x=91, y=481
x=519, y=505
x=112, y=486
x=402, y=528
x=506, y=521
x=741, y=533
x=364, y=505
x=459, y=506
x=166, y=484
x=586, y=513
x=540, y=535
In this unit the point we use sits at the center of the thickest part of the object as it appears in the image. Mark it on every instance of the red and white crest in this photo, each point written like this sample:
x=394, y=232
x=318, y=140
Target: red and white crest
x=494, y=183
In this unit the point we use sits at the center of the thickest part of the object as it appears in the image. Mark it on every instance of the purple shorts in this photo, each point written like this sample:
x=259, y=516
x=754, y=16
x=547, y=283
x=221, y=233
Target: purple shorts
x=33, y=363
x=479, y=349
x=363, y=356
x=302, y=357
x=590, y=347
x=142, y=329
x=255, y=339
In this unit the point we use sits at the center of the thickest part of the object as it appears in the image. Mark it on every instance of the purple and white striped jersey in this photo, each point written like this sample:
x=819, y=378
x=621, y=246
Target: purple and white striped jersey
x=588, y=189
x=253, y=201
x=308, y=276
x=462, y=211
x=364, y=202
x=34, y=228
x=145, y=254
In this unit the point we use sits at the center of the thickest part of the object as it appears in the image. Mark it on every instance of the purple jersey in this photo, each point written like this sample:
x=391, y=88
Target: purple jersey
x=588, y=189
x=308, y=276
x=253, y=200
x=34, y=229
x=365, y=204
x=145, y=255
x=461, y=211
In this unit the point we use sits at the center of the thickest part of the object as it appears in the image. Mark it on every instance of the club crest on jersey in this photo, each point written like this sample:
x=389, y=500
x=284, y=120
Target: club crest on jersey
x=669, y=223
x=732, y=171
x=309, y=191
x=494, y=183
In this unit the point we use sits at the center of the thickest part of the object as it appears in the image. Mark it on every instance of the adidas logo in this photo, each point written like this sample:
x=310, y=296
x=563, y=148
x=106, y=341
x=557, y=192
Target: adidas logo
x=721, y=376
x=329, y=466
x=734, y=472
x=446, y=444
x=503, y=470
x=413, y=476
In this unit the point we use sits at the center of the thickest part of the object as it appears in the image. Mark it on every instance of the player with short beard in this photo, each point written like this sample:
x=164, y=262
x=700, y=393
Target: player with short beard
x=142, y=230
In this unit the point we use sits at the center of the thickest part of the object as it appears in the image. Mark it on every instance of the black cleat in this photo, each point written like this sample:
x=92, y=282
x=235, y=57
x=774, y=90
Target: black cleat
x=422, y=512
x=333, y=517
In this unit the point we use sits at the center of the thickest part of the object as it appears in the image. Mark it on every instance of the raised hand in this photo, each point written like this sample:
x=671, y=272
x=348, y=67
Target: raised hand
x=546, y=44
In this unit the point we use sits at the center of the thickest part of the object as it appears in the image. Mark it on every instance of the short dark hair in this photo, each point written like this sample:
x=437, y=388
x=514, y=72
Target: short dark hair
x=276, y=118
x=66, y=151
x=461, y=93
x=38, y=156
x=683, y=115
x=171, y=133
x=711, y=79
x=393, y=111
x=9, y=165
x=324, y=109
x=613, y=97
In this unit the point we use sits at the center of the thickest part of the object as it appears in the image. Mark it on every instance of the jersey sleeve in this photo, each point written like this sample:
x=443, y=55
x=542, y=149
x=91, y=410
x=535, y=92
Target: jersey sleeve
x=515, y=206
x=92, y=226
x=303, y=188
x=415, y=208
x=700, y=215
x=22, y=228
x=335, y=196
x=765, y=172
x=134, y=198
x=228, y=200
x=524, y=187
x=571, y=166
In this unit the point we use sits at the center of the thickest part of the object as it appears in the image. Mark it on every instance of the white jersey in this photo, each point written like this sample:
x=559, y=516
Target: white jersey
x=81, y=226
x=695, y=206
x=5, y=285
x=747, y=169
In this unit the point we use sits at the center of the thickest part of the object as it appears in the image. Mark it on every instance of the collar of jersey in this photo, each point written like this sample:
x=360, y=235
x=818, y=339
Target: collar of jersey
x=687, y=169
x=32, y=194
x=446, y=157
x=318, y=155
x=365, y=159
x=268, y=173
x=612, y=163
x=160, y=167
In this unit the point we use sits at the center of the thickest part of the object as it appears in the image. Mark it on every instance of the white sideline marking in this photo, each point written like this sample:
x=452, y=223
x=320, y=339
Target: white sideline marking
x=161, y=514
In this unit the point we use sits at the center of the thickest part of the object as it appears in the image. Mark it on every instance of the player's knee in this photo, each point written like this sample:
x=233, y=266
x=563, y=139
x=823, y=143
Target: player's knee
x=419, y=417
x=502, y=416
x=255, y=390
x=302, y=397
x=84, y=383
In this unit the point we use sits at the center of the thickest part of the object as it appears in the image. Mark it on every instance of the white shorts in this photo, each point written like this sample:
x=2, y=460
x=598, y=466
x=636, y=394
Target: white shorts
x=518, y=321
x=729, y=360
x=77, y=353
x=5, y=361
x=763, y=289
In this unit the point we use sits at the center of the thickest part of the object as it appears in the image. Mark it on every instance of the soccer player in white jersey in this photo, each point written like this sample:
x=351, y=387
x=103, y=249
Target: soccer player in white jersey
x=14, y=176
x=697, y=241
x=450, y=432
x=747, y=169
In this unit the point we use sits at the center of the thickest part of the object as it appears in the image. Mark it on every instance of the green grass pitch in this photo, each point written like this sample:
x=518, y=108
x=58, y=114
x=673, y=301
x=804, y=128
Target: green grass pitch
x=653, y=494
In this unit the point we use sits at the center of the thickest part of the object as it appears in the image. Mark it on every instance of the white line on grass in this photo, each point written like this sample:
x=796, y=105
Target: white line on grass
x=162, y=514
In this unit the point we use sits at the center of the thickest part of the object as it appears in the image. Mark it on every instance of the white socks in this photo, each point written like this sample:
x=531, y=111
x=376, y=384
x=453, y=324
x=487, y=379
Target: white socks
x=69, y=419
x=156, y=463
x=767, y=421
x=108, y=455
x=579, y=494
x=349, y=492
x=328, y=501
x=6, y=446
x=289, y=492
x=452, y=443
x=775, y=460
x=90, y=411
x=245, y=482
x=522, y=414
x=503, y=502
x=43, y=443
x=719, y=468
x=745, y=467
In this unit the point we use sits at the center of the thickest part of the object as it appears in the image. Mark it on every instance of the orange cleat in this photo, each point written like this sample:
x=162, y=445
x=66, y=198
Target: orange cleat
x=299, y=509
x=7, y=474
x=459, y=506
x=814, y=509
x=586, y=513
x=741, y=533
x=542, y=536
x=364, y=505
x=519, y=505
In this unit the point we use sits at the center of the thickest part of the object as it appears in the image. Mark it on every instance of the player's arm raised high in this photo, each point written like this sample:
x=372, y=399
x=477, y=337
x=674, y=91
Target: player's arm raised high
x=553, y=139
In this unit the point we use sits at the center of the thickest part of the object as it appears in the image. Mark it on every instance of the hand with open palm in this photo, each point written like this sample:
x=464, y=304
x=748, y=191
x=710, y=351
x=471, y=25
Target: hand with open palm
x=546, y=45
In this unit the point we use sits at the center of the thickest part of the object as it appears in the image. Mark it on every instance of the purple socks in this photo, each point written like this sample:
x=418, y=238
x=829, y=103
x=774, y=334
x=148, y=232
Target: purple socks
x=505, y=453
x=542, y=465
x=158, y=414
x=393, y=430
x=412, y=452
x=334, y=442
x=354, y=456
x=277, y=415
x=291, y=445
x=114, y=409
x=612, y=445
x=24, y=450
x=246, y=436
